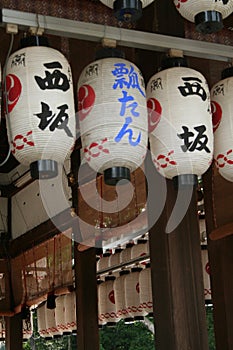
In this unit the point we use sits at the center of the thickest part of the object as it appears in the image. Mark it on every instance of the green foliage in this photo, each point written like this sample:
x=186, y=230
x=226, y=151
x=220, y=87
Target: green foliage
x=210, y=325
x=127, y=337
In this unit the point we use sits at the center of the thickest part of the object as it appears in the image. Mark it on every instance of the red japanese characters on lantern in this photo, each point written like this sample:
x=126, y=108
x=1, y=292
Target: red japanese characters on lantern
x=206, y=14
x=40, y=106
x=113, y=117
x=221, y=102
x=181, y=140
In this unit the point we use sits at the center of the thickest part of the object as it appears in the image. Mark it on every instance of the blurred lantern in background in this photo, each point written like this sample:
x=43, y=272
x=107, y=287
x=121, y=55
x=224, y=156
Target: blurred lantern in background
x=39, y=106
x=206, y=14
x=222, y=109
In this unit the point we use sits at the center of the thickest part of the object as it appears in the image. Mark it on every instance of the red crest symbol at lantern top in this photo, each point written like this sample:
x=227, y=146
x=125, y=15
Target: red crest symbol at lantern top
x=86, y=100
x=216, y=114
x=13, y=90
x=111, y=297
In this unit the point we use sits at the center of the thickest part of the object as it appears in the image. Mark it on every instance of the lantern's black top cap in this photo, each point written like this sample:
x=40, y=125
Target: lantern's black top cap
x=127, y=10
x=34, y=40
x=208, y=22
x=227, y=73
x=170, y=62
x=108, y=52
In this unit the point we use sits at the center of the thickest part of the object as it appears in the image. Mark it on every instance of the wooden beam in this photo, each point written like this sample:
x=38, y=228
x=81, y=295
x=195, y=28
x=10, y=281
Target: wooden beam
x=177, y=282
x=86, y=299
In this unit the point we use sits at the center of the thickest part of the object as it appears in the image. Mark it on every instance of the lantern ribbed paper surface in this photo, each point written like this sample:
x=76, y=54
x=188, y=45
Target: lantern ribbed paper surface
x=42, y=329
x=50, y=321
x=107, y=306
x=125, y=254
x=206, y=273
x=140, y=249
x=101, y=318
x=40, y=104
x=132, y=295
x=70, y=311
x=112, y=114
x=146, y=298
x=119, y=292
x=222, y=109
x=180, y=122
x=60, y=314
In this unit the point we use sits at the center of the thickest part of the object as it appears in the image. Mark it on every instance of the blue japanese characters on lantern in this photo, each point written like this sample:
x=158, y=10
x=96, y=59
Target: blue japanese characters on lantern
x=112, y=114
x=180, y=122
x=40, y=105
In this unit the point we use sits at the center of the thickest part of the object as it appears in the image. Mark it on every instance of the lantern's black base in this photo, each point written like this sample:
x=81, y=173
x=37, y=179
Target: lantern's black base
x=33, y=40
x=44, y=169
x=208, y=22
x=111, y=324
x=138, y=318
x=170, y=62
x=57, y=336
x=227, y=73
x=129, y=320
x=74, y=332
x=48, y=338
x=108, y=52
x=185, y=180
x=127, y=10
x=51, y=303
x=66, y=333
x=151, y=314
x=115, y=174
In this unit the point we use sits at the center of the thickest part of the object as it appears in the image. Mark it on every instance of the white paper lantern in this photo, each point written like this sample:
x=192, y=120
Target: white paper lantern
x=107, y=305
x=103, y=262
x=40, y=108
x=70, y=312
x=132, y=295
x=127, y=10
x=119, y=292
x=50, y=321
x=206, y=14
x=140, y=249
x=60, y=315
x=146, y=297
x=125, y=254
x=222, y=109
x=100, y=290
x=180, y=122
x=42, y=329
x=113, y=117
x=206, y=273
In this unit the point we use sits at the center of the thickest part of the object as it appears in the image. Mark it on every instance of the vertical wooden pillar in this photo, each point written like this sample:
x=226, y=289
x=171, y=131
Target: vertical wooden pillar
x=177, y=281
x=14, y=334
x=218, y=196
x=86, y=299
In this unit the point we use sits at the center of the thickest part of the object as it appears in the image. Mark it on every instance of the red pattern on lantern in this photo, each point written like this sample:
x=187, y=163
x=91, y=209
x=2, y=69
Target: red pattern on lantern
x=222, y=159
x=178, y=3
x=216, y=114
x=98, y=148
x=111, y=297
x=13, y=90
x=86, y=101
x=163, y=161
x=207, y=268
x=154, y=113
x=23, y=140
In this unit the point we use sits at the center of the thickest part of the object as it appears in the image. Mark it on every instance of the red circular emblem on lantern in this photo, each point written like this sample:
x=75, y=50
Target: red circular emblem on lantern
x=86, y=100
x=13, y=91
x=216, y=114
x=154, y=113
x=111, y=296
x=137, y=288
x=207, y=268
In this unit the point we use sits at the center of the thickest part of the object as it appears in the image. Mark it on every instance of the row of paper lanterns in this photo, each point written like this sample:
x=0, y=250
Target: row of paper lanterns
x=206, y=14
x=115, y=113
x=27, y=330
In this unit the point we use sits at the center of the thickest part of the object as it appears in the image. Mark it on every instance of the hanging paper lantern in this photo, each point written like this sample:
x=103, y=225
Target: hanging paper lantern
x=42, y=329
x=107, y=305
x=125, y=254
x=40, y=108
x=221, y=103
x=70, y=312
x=103, y=262
x=101, y=319
x=180, y=123
x=146, y=297
x=140, y=249
x=50, y=321
x=127, y=10
x=206, y=274
x=132, y=295
x=206, y=14
x=120, y=300
x=60, y=315
x=113, y=117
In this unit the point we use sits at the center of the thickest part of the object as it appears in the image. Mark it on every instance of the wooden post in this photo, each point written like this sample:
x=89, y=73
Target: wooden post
x=218, y=194
x=177, y=281
x=14, y=333
x=86, y=299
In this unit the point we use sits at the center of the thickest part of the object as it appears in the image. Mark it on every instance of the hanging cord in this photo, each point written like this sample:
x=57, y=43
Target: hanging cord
x=5, y=92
